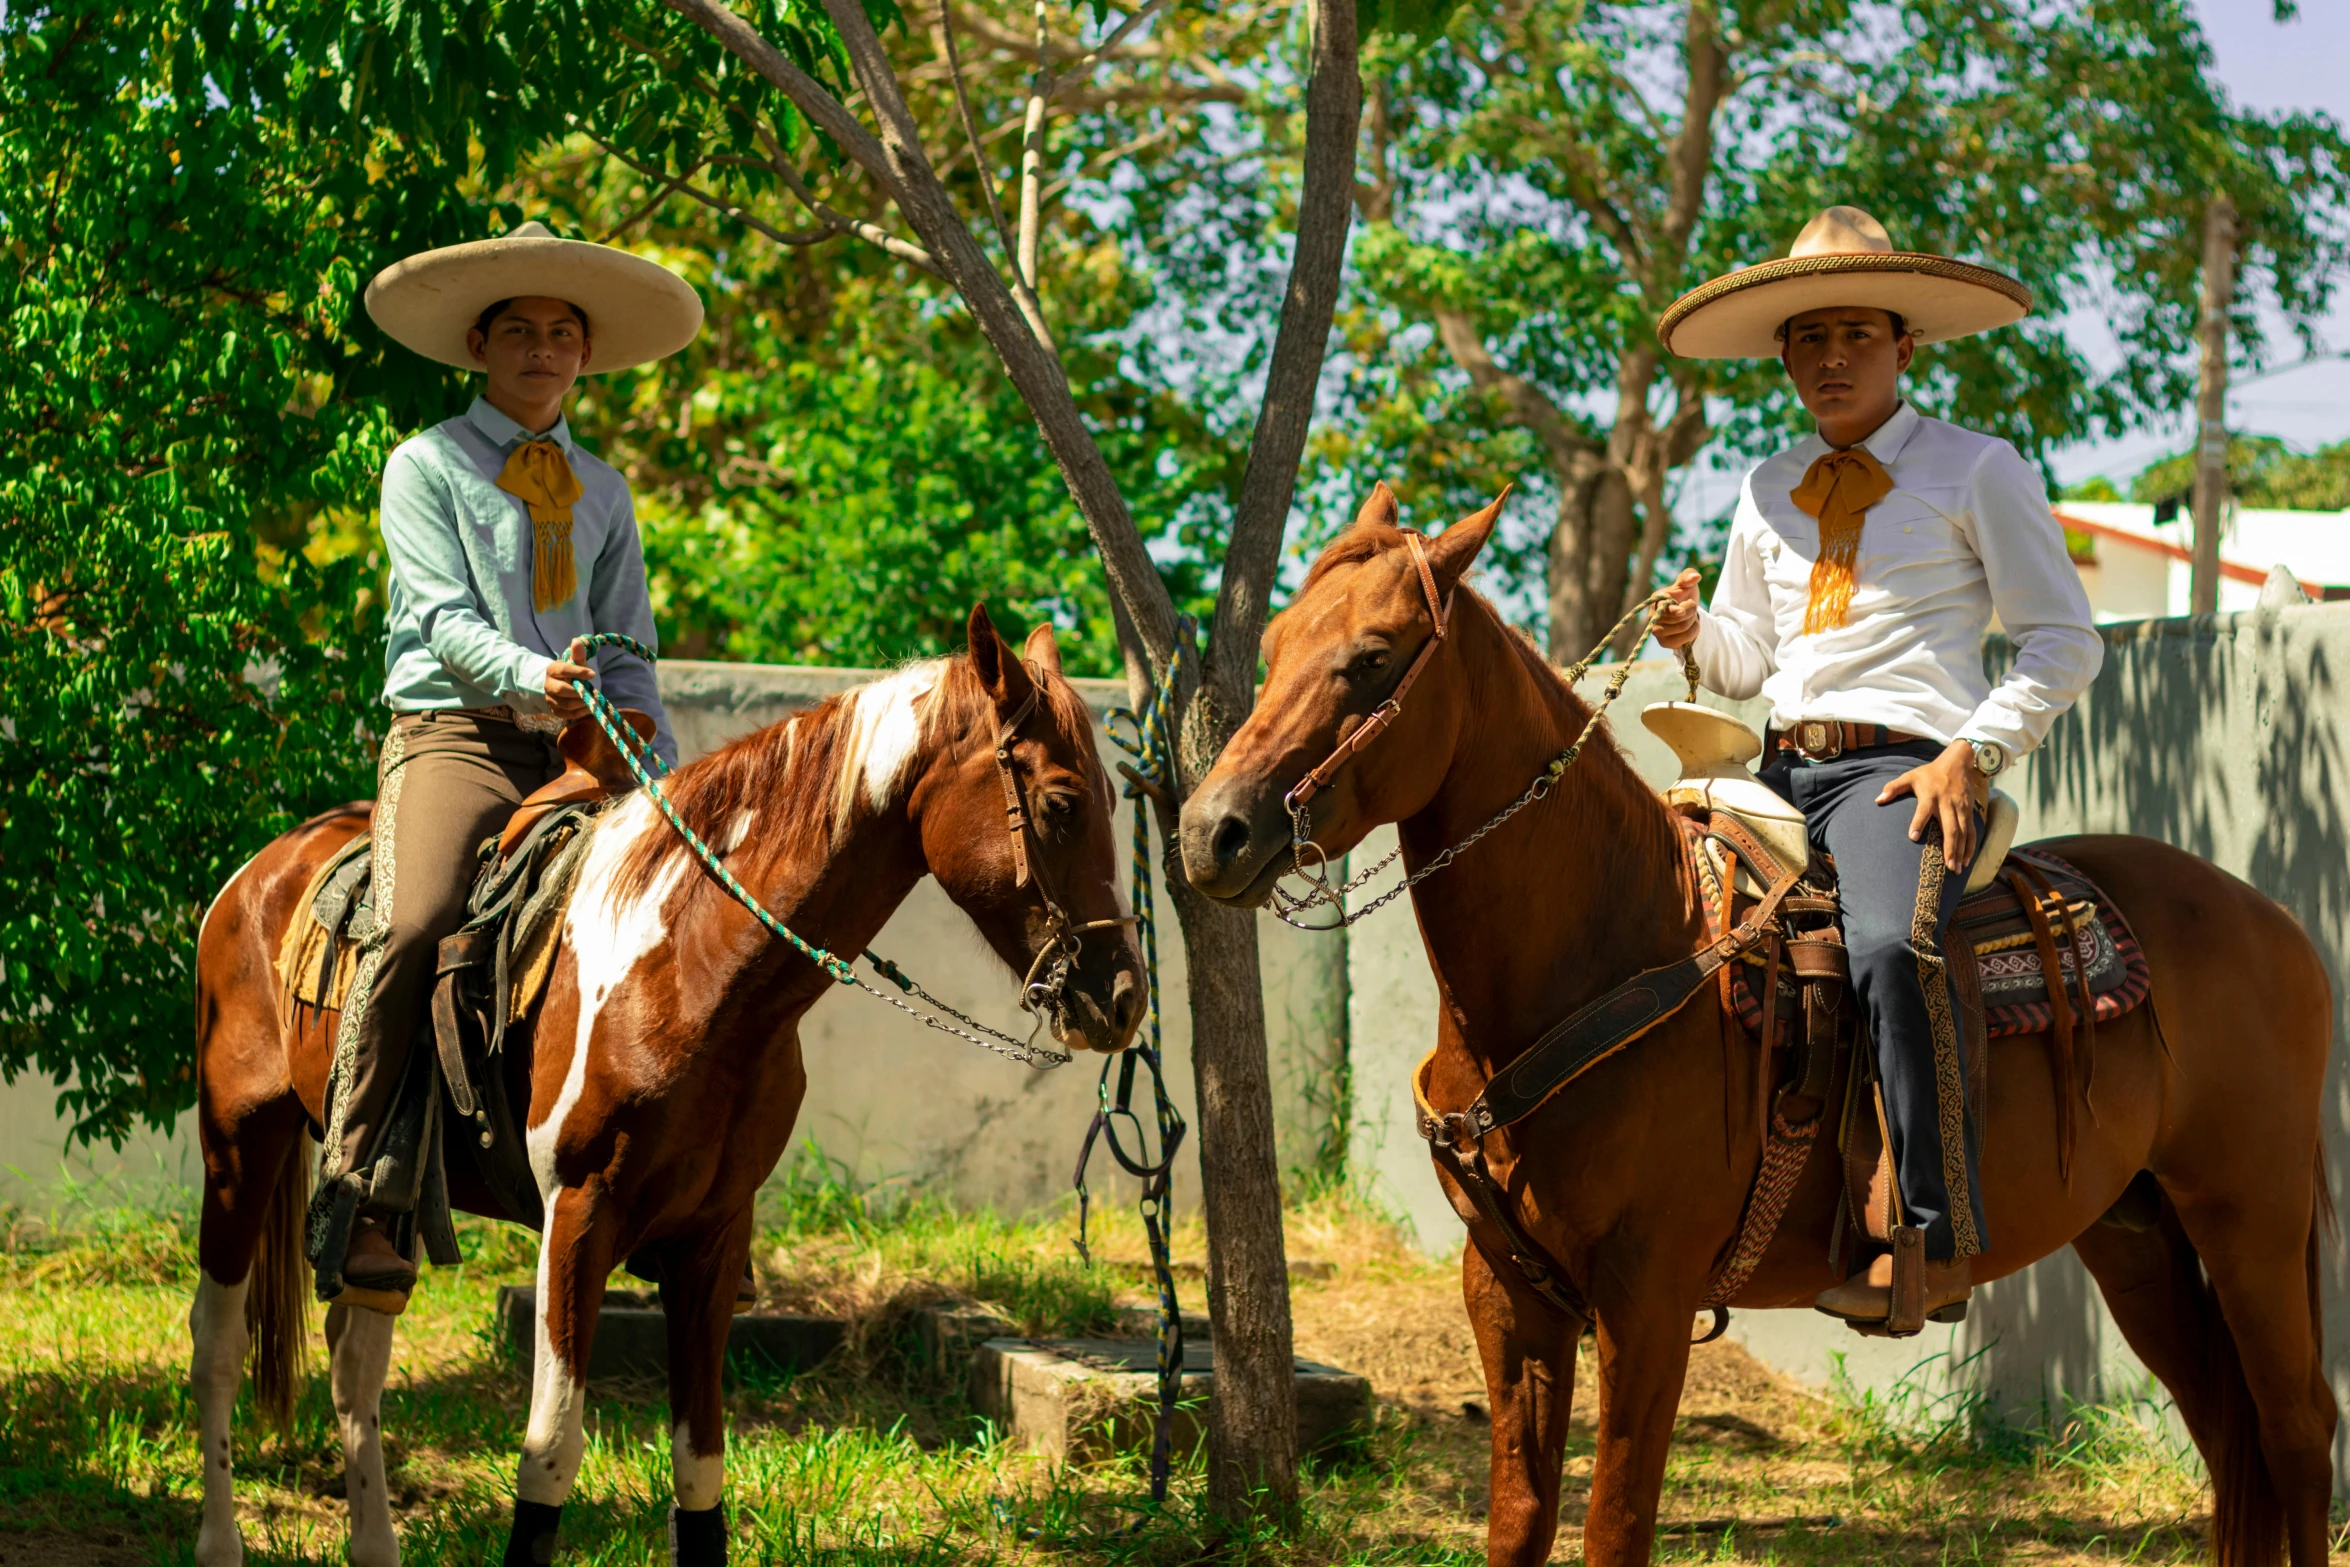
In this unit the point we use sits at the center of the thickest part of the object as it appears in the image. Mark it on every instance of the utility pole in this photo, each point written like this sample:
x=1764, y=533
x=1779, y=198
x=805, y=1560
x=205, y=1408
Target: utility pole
x=2210, y=494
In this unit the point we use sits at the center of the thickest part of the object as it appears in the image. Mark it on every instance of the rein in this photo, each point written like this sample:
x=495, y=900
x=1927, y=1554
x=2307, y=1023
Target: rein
x=648, y=769
x=1585, y=1038
x=1154, y=748
x=1288, y=907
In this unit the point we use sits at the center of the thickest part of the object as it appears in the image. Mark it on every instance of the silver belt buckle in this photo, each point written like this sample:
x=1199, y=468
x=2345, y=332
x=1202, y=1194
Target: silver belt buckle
x=1821, y=742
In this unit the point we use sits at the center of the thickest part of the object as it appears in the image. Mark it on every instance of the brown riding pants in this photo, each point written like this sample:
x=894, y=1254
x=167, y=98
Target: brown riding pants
x=445, y=780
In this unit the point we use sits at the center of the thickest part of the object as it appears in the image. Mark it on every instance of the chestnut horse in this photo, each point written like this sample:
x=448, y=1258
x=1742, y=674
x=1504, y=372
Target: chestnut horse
x=1636, y=1175
x=665, y=1073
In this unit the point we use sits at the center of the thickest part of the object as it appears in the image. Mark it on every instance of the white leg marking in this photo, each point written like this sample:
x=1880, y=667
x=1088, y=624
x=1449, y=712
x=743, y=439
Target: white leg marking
x=700, y=1481
x=216, y=1328
x=556, y=1437
x=606, y=941
x=360, y=1357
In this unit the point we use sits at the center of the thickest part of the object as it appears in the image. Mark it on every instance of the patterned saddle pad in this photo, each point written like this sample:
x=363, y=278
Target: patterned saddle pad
x=2091, y=939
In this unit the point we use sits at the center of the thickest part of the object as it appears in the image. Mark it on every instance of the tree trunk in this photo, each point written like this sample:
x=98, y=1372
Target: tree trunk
x=2211, y=401
x=1589, y=548
x=1252, y=1415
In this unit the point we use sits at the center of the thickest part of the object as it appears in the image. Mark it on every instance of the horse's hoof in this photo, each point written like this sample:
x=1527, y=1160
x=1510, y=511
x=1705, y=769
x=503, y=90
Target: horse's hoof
x=697, y=1539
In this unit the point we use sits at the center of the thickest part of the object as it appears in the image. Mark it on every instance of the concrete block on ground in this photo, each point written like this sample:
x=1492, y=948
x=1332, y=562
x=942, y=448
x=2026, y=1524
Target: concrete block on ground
x=632, y=1336
x=1086, y=1398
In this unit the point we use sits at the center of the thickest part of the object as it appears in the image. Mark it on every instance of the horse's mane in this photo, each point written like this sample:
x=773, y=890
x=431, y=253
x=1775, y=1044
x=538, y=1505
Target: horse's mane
x=802, y=781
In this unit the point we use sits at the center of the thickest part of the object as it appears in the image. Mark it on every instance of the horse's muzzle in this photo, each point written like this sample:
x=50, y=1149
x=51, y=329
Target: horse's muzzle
x=1235, y=839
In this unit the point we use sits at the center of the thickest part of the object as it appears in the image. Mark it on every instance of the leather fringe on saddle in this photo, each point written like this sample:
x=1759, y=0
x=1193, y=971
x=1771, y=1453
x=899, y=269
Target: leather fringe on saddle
x=2038, y=894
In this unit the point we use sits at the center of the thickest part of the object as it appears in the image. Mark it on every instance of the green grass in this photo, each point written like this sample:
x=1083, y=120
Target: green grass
x=876, y=1458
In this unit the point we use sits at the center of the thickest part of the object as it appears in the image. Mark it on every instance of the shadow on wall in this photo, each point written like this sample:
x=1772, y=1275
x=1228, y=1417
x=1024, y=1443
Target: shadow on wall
x=2223, y=735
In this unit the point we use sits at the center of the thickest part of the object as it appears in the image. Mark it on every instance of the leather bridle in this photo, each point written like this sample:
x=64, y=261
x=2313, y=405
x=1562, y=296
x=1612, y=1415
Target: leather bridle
x=1374, y=724
x=1056, y=959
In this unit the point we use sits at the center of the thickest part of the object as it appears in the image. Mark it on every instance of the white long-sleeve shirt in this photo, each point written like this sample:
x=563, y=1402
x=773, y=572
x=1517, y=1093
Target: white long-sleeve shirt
x=1966, y=531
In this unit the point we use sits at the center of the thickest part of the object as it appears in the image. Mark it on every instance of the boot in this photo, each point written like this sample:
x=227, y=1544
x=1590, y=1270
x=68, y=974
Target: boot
x=375, y=1275
x=1868, y=1295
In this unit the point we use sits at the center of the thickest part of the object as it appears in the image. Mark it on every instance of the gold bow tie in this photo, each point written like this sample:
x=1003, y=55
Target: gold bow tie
x=537, y=475
x=1838, y=488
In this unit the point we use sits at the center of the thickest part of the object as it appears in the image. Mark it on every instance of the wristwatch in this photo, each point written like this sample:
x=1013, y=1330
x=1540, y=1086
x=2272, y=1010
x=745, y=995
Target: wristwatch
x=1990, y=757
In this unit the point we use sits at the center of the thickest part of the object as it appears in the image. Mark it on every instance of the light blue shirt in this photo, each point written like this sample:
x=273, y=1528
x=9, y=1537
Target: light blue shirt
x=464, y=631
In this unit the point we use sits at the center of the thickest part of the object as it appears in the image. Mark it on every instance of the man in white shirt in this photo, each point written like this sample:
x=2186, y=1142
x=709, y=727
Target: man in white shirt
x=1863, y=566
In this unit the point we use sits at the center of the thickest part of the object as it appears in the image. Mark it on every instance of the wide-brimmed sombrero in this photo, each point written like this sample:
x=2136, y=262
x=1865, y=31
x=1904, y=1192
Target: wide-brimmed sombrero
x=1842, y=257
x=637, y=310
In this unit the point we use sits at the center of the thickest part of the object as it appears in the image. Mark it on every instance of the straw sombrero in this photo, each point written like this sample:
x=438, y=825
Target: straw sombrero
x=1843, y=257
x=637, y=310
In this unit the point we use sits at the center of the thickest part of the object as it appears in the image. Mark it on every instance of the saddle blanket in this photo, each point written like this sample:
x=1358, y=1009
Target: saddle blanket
x=1995, y=924
x=319, y=952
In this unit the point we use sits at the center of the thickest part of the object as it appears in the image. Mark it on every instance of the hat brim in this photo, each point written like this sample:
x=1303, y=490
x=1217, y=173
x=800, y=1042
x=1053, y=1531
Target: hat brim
x=1738, y=316
x=637, y=310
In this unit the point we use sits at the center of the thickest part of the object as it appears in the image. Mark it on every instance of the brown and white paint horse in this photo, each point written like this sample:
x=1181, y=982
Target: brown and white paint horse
x=1636, y=1175
x=665, y=1072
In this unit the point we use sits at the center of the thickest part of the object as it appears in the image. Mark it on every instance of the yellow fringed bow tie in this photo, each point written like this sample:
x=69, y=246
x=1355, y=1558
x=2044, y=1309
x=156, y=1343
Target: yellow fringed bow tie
x=1838, y=488
x=537, y=475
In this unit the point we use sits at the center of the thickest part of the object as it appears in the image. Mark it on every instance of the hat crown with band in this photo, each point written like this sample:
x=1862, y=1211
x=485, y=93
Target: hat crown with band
x=1840, y=231
x=1844, y=258
x=637, y=310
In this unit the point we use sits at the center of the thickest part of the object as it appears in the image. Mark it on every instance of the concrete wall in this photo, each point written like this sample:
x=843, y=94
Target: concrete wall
x=2228, y=736
x=888, y=1099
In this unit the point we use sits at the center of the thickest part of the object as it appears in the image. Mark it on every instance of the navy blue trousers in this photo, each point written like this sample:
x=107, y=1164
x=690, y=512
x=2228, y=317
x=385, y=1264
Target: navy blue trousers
x=1898, y=902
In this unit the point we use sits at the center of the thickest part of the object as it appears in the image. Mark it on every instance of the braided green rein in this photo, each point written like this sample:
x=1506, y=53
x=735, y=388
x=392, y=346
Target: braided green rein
x=641, y=757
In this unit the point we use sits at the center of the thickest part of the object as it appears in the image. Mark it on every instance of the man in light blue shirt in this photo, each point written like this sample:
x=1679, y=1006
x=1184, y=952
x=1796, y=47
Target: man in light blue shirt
x=464, y=631
x=508, y=542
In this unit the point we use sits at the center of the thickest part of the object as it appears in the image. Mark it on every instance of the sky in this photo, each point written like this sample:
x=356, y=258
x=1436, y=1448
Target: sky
x=2263, y=64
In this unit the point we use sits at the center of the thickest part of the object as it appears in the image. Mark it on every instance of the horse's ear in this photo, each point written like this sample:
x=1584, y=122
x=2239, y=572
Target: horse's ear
x=991, y=659
x=1452, y=552
x=1043, y=649
x=1380, y=508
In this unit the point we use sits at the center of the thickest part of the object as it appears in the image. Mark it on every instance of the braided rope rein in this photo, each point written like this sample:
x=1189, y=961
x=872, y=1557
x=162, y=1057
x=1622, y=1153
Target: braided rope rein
x=625, y=740
x=1153, y=748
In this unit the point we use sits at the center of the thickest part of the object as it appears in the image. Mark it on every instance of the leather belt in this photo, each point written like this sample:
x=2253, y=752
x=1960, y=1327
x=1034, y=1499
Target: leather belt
x=1824, y=739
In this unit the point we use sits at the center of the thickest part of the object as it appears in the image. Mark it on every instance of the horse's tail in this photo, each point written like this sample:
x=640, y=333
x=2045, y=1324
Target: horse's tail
x=277, y=1306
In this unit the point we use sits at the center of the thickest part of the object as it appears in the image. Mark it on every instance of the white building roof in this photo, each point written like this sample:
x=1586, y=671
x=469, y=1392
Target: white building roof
x=2148, y=565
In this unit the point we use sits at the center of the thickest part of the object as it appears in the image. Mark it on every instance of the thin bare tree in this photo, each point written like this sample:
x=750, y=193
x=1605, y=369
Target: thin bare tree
x=1252, y=1419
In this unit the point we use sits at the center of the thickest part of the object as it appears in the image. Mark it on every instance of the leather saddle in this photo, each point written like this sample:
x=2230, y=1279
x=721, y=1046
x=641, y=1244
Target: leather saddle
x=489, y=978
x=2035, y=948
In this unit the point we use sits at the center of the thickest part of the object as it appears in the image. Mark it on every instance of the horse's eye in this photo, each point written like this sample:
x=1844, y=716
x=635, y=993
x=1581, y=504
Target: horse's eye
x=1062, y=806
x=1368, y=664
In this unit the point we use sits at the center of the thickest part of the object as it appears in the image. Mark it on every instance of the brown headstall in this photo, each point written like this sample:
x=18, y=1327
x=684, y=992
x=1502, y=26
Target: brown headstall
x=1062, y=934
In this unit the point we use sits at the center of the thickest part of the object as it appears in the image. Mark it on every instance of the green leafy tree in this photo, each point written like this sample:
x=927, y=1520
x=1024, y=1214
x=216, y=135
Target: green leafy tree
x=836, y=469
x=177, y=680
x=1547, y=181
x=2262, y=471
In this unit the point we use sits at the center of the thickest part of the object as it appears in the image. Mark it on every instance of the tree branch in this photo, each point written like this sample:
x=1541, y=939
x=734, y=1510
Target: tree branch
x=1035, y=371
x=954, y=64
x=823, y=110
x=1334, y=111
x=717, y=203
x=663, y=190
x=1528, y=404
x=1040, y=88
x=1690, y=154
